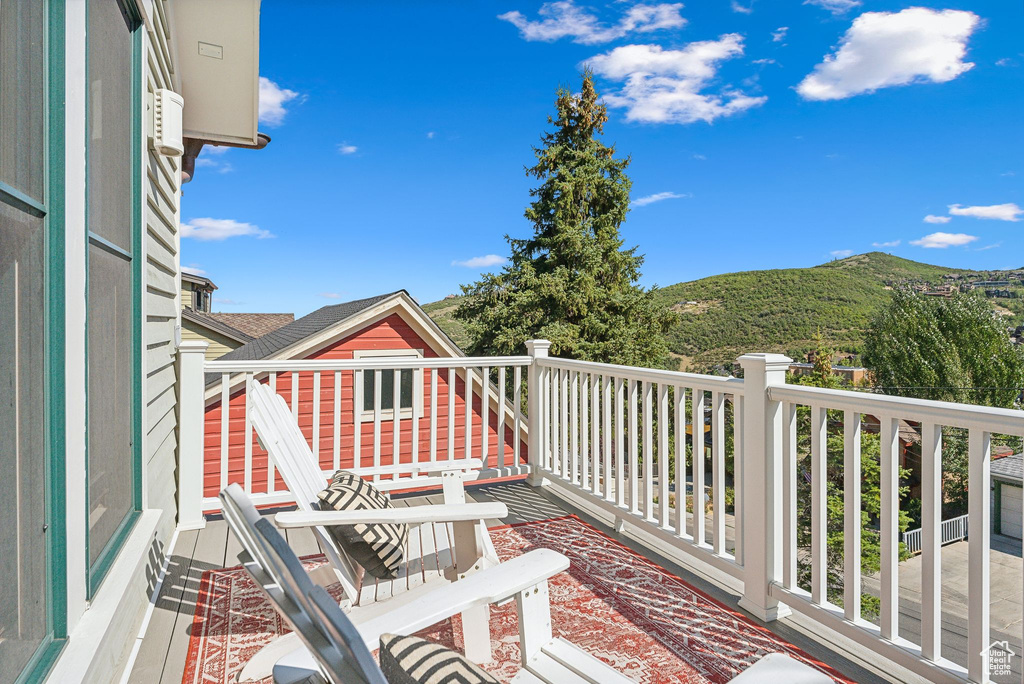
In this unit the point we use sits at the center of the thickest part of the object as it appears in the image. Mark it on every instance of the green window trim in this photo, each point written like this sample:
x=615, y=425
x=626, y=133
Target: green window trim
x=53, y=213
x=97, y=571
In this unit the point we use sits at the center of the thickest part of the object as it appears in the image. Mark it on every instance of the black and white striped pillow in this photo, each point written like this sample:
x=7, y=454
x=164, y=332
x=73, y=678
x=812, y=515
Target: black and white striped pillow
x=411, y=660
x=377, y=547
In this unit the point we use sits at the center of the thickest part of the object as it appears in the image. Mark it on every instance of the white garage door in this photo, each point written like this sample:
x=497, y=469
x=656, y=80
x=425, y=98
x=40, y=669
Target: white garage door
x=1010, y=511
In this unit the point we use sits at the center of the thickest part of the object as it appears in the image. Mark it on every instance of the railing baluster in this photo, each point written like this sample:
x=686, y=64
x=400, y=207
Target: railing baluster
x=485, y=415
x=605, y=482
x=851, y=515
x=737, y=466
x=417, y=407
x=547, y=419
x=316, y=417
x=271, y=473
x=679, y=430
x=699, y=479
x=517, y=407
x=595, y=432
x=648, y=451
x=469, y=414
x=225, y=426
x=889, y=527
x=663, y=475
x=574, y=422
x=718, y=472
x=396, y=416
x=377, y=384
x=247, y=478
x=789, y=475
x=556, y=455
x=819, y=511
x=584, y=431
x=620, y=437
x=357, y=418
x=978, y=576
x=634, y=489
x=433, y=415
x=563, y=404
x=931, y=541
x=336, y=434
x=500, y=410
x=451, y=414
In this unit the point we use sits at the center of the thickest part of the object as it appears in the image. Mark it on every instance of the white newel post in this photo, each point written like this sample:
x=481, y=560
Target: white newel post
x=762, y=493
x=191, y=405
x=534, y=406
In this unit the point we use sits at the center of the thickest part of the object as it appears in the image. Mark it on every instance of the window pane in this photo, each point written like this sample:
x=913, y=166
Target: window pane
x=21, y=95
x=405, y=387
x=22, y=444
x=110, y=115
x=110, y=395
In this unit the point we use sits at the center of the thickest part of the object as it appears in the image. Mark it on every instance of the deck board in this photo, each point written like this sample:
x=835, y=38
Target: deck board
x=162, y=656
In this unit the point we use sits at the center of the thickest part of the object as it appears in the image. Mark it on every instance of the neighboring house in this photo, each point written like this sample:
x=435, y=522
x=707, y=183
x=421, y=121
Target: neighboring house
x=852, y=375
x=90, y=188
x=391, y=325
x=222, y=331
x=1008, y=484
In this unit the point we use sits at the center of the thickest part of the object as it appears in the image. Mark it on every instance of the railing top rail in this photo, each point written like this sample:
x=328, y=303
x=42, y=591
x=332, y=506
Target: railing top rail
x=968, y=416
x=387, y=363
x=729, y=385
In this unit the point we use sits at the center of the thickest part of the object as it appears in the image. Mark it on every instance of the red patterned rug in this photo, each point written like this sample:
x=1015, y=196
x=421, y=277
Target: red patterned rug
x=618, y=605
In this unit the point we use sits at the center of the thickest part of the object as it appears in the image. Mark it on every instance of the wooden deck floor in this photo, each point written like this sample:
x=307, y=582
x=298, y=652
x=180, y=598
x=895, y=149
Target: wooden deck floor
x=161, y=658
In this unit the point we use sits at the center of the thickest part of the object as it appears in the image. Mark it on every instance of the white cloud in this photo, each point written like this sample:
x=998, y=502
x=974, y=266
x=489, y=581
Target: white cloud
x=1005, y=61
x=482, y=261
x=206, y=161
x=997, y=212
x=944, y=240
x=656, y=197
x=890, y=243
x=431, y=134
x=932, y=218
x=764, y=60
x=664, y=86
x=330, y=295
x=841, y=253
x=994, y=245
x=194, y=270
x=273, y=98
x=700, y=157
x=741, y=8
x=564, y=19
x=215, y=230
x=835, y=6
x=779, y=34
x=345, y=148
x=885, y=49
x=228, y=302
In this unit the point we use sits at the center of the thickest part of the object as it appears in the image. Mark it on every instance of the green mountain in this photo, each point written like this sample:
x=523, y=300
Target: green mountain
x=778, y=310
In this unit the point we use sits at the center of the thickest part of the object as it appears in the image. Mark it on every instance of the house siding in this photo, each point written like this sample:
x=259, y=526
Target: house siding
x=161, y=218
x=388, y=333
x=219, y=344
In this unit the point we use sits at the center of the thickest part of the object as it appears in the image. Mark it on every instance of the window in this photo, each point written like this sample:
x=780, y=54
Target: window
x=31, y=299
x=410, y=385
x=112, y=158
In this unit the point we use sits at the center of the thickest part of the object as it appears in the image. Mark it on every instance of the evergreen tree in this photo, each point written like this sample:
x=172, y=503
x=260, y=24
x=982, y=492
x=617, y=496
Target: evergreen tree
x=572, y=282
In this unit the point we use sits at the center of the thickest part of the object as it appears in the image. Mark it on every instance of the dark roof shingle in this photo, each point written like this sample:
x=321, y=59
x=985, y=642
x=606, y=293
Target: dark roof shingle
x=254, y=324
x=1010, y=468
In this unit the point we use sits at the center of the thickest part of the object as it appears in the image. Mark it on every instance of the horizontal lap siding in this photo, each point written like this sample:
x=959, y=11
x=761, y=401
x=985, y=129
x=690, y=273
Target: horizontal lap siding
x=390, y=333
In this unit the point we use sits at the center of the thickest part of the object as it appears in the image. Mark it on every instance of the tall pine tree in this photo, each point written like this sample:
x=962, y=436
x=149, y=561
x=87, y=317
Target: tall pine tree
x=572, y=282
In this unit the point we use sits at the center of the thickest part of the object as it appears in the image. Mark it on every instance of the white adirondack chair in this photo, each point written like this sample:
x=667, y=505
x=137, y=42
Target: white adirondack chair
x=445, y=541
x=338, y=651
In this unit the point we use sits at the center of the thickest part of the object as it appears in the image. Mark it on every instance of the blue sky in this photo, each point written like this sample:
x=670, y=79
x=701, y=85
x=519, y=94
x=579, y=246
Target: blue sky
x=763, y=134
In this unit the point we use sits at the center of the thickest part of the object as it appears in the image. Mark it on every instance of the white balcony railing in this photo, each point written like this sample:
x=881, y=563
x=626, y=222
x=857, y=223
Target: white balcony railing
x=953, y=530
x=615, y=440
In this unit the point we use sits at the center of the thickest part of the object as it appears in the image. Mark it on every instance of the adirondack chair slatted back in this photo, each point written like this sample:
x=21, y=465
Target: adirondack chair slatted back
x=294, y=598
x=287, y=447
x=344, y=636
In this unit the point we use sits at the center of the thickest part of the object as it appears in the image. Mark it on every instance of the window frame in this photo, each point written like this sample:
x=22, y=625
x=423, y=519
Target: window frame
x=96, y=571
x=369, y=415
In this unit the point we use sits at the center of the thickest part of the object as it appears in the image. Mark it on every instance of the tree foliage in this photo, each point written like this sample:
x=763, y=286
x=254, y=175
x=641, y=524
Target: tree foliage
x=951, y=349
x=571, y=282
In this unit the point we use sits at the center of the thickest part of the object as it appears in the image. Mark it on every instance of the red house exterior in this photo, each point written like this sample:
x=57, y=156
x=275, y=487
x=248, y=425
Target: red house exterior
x=379, y=326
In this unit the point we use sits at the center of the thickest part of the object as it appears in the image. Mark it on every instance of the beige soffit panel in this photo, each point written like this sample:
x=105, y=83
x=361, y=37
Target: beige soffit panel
x=218, y=51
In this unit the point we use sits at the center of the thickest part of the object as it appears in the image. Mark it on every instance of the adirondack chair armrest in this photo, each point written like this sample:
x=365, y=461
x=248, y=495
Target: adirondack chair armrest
x=414, y=515
x=488, y=586
x=420, y=467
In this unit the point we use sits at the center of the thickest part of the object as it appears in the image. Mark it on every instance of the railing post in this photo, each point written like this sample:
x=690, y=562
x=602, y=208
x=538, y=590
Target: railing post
x=191, y=410
x=762, y=494
x=534, y=420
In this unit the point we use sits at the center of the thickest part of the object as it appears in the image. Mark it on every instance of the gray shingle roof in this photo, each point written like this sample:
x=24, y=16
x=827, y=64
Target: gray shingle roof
x=1009, y=468
x=212, y=323
x=310, y=324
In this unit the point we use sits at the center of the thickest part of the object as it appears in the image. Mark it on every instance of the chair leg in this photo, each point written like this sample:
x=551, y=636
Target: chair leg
x=533, y=607
x=476, y=629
